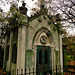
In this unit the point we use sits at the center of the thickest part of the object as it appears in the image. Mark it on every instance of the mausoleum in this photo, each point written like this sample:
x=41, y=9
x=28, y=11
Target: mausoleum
x=35, y=43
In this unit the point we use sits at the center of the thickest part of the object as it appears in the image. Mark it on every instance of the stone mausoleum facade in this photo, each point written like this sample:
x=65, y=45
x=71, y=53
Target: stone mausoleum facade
x=35, y=43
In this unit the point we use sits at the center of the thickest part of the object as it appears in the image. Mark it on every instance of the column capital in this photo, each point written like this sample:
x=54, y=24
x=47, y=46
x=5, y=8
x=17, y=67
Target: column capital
x=52, y=48
x=23, y=20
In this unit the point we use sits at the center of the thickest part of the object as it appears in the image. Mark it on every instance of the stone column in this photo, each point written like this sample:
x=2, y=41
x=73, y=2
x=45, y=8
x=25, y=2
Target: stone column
x=10, y=53
x=52, y=58
x=21, y=44
x=61, y=54
x=4, y=62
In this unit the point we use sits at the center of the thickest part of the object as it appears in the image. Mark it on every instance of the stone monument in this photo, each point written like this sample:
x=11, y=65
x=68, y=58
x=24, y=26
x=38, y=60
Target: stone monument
x=23, y=9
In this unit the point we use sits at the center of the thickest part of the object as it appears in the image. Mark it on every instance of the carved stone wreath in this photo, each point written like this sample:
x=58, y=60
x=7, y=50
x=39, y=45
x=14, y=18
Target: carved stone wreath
x=43, y=39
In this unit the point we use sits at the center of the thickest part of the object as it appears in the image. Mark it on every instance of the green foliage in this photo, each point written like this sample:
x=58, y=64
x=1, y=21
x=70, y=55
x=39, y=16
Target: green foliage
x=13, y=16
x=69, y=58
x=9, y=20
x=13, y=21
x=69, y=49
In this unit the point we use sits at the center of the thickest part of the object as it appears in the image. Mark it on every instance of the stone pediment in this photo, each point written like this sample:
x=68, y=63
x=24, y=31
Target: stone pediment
x=39, y=21
x=39, y=25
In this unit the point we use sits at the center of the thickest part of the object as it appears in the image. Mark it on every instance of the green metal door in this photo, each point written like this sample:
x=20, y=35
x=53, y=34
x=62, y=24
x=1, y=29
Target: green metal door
x=43, y=60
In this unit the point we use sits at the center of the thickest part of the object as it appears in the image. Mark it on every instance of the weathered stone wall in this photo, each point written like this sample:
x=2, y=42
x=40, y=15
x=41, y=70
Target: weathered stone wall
x=34, y=28
x=28, y=37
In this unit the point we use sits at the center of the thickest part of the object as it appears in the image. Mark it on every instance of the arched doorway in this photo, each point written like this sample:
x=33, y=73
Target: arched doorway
x=42, y=42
